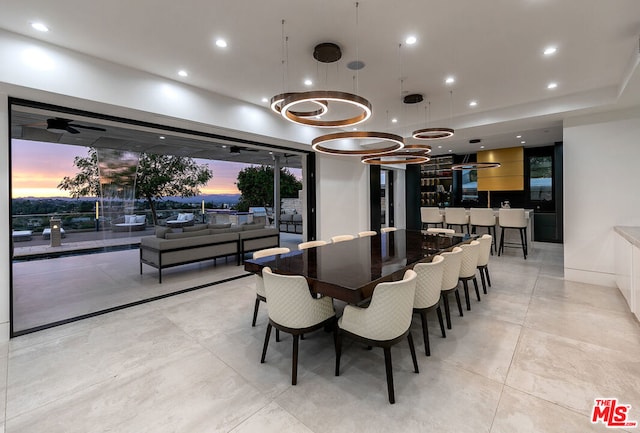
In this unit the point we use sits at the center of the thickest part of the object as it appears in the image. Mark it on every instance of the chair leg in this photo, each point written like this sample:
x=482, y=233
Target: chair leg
x=475, y=283
x=266, y=343
x=484, y=284
x=294, y=361
x=493, y=239
x=526, y=243
x=447, y=312
x=412, y=348
x=277, y=335
x=338, y=343
x=387, y=364
x=439, y=312
x=466, y=294
x=255, y=311
x=501, y=248
x=458, y=301
x=486, y=270
x=522, y=239
x=425, y=333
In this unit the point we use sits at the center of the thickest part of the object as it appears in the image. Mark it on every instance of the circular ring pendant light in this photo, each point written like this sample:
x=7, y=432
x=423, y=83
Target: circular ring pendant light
x=319, y=96
x=276, y=106
x=410, y=154
x=396, y=158
x=475, y=165
x=330, y=143
x=432, y=133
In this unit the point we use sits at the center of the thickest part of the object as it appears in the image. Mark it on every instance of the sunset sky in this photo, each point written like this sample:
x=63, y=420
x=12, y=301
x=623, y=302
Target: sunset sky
x=38, y=168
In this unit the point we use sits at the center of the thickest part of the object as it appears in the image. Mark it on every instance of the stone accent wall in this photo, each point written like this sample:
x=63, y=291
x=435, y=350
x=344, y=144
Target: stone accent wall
x=291, y=205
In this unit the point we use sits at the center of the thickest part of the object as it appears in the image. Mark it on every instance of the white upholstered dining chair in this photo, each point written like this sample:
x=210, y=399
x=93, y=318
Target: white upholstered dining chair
x=384, y=323
x=428, y=295
x=468, y=267
x=483, y=260
x=452, y=261
x=261, y=296
x=292, y=309
x=311, y=244
x=342, y=238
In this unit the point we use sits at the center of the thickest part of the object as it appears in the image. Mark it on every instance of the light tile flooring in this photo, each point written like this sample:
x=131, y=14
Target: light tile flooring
x=531, y=357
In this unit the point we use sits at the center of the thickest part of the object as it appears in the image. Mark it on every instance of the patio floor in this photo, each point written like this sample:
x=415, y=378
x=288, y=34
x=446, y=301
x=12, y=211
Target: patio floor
x=49, y=287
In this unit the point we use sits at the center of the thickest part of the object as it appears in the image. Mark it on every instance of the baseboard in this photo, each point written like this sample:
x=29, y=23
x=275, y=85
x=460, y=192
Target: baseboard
x=590, y=277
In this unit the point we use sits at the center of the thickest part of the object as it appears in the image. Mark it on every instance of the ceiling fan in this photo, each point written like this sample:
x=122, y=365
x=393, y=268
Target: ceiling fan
x=237, y=149
x=60, y=125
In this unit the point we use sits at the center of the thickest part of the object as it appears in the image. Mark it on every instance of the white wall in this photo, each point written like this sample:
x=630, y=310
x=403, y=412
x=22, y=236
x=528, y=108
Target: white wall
x=601, y=190
x=342, y=196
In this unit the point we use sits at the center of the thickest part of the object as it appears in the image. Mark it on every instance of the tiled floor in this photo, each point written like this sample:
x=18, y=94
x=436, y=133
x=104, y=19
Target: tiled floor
x=531, y=357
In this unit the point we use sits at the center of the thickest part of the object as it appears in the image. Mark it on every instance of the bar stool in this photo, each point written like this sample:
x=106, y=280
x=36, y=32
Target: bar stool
x=513, y=219
x=431, y=215
x=480, y=217
x=456, y=216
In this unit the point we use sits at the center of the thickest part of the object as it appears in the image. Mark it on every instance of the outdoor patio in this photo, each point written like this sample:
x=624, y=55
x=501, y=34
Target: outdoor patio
x=92, y=272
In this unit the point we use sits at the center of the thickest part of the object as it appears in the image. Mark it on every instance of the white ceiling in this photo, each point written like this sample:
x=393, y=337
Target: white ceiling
x=493, y=48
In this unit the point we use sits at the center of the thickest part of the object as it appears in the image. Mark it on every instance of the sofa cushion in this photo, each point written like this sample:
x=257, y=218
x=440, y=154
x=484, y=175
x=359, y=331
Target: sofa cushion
x=183, y=235
x=247, y=227
x=139, y=219
x=219, y=231
x=195, y=228
x=162, y=231
x=219, y=226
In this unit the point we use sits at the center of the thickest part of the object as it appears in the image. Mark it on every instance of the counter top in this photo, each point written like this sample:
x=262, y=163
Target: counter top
x=632, y=234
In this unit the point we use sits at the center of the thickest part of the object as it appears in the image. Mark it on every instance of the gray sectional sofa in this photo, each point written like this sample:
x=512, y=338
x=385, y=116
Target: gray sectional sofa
x=170, y=247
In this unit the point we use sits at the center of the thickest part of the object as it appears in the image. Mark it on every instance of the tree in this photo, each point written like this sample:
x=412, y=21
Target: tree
x=157, y=176
x=256, y=186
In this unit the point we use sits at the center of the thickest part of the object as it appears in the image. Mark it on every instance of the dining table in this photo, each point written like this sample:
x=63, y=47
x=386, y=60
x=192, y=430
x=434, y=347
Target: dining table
x=350, y=270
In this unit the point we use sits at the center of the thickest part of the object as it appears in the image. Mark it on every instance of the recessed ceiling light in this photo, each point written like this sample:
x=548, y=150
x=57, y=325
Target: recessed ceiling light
x=308, y=82
x=265, y=100
x=224, y=146
x=552, y=85
x=550, y=50
x=162, y=137
x=522, y=142
x=518, y=136
x=394, y=120
x=410, y=40
x=473, y=103
x=41, y=27
x=354, y=129
x=221, y=43
x=481, y=147
x=270, y=153
x=440, y=147
x=450, y=150
x=183, y=73
x=450, y=80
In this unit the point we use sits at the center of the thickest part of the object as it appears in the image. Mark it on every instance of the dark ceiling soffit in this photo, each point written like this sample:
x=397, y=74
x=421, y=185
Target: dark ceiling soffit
x=76, y=112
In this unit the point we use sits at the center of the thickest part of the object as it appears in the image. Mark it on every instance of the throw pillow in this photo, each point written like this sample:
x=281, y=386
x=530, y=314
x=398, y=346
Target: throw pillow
x=162, y=231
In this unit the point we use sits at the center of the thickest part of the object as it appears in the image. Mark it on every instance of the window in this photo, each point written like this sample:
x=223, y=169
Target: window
x=469, y=185
x=541, y=178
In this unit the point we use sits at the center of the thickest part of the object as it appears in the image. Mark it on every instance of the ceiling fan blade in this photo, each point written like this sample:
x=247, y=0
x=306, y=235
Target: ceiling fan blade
x=94, y=128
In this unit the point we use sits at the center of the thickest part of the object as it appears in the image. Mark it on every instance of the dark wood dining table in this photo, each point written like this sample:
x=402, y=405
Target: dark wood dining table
x=350, y=270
